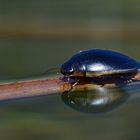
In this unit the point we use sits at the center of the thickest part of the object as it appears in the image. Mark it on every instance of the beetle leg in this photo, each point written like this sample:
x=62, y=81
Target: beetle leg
x=136, y=77
x=73, y=85
x=73, y=82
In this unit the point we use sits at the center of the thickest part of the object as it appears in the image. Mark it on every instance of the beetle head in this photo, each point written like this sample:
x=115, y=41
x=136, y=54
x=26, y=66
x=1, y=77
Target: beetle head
x=67, y=69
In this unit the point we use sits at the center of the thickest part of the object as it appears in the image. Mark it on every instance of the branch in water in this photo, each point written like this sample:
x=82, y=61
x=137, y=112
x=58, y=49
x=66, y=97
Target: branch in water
x=41, y=87
x=32, y=88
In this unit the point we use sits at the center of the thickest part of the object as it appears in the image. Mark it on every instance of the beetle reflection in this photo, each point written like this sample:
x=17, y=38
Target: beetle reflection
x=99, y=100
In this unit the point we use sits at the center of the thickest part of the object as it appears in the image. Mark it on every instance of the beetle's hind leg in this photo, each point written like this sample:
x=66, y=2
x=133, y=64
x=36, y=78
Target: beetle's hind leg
x=72, y=86
x=136, y=77
x=73, y=81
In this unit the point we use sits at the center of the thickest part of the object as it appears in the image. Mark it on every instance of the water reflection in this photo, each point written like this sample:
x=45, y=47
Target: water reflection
x=99, y=100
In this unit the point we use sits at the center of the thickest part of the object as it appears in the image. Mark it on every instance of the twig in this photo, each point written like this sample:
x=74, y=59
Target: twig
x=36, y=88
x=32, y=88
x=41, y=87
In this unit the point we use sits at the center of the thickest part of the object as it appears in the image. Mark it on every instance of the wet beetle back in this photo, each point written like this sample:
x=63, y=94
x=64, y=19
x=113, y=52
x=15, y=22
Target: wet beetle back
x=99, y=62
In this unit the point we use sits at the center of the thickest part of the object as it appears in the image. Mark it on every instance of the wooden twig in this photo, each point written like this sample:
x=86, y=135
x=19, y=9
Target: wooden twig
x=38, y=87
x=32, y=88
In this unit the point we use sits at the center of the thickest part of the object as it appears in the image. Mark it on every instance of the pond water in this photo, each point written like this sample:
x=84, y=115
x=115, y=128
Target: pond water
x=48, y=117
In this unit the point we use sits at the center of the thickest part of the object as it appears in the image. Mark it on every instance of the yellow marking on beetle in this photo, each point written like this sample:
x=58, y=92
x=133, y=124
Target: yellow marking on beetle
x=97, y=74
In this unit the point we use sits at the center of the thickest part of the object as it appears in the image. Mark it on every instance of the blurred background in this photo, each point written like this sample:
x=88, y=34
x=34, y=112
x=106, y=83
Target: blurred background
x=39, y=35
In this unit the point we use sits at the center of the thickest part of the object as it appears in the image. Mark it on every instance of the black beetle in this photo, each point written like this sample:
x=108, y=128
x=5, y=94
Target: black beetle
x=102, y=66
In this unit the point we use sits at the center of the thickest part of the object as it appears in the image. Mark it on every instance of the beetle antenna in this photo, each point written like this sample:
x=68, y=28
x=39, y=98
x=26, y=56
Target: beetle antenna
x=55, y=70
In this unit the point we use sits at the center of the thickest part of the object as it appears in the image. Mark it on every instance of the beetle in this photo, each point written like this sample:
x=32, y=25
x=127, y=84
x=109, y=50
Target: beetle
x=101, y=67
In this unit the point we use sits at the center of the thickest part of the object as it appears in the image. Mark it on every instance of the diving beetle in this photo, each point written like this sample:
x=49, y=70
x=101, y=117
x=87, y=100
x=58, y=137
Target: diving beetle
x=100, y=67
